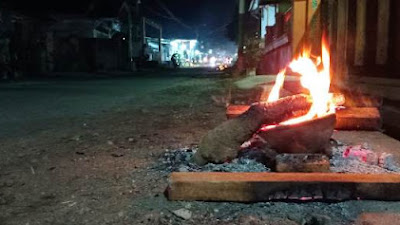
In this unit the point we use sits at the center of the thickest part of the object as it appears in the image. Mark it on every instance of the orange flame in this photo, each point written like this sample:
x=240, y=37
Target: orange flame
x=274, y=94
x=316, y=81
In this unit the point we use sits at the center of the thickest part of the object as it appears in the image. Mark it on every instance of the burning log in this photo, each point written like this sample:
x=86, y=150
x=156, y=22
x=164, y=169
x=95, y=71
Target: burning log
x=353, y=118
x=222, y=143
x=233, y=111
x=311, y=136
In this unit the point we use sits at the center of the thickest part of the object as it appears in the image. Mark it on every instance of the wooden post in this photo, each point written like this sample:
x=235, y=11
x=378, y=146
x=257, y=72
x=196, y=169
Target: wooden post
x=383, y=32
x=332, y=27
x=241, y=12
x=144, y=30
x=341, y=75
x=299, y=23
x=130, y=34
x=361, y=24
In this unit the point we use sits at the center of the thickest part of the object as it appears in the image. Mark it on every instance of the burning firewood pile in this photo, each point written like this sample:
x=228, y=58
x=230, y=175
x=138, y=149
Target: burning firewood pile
x=302, y=123
x=291, y=135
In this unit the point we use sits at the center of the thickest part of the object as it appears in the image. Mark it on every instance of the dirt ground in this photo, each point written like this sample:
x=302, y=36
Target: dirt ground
x=81, y=151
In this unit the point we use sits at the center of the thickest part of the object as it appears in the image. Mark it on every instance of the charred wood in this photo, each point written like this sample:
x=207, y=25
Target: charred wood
x=352, y=118
x=302, y=163
x=222, y=143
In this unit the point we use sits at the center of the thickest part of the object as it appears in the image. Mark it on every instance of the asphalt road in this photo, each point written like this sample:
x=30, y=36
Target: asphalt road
x=31, y=105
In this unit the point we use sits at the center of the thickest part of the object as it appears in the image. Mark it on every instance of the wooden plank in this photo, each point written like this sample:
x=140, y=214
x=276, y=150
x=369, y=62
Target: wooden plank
x=361, y=38
x=363, y=118
x=341, y=42
x=367, y=118
x=383, y=32
x=264, y=186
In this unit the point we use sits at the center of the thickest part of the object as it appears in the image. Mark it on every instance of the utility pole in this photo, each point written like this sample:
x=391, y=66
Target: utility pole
x=240, y=65
x=144, y=30
x=160, y=55
x=242, y=5
x=130, y=42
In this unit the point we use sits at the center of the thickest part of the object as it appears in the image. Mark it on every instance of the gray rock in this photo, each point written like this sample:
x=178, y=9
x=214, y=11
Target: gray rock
x=183, y=213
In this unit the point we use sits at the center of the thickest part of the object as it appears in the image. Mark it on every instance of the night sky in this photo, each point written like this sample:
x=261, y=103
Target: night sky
x=206, y=15
x=204, y=19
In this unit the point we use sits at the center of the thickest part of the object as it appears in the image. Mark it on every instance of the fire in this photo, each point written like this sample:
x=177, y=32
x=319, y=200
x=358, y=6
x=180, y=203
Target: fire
x=314, y=77
x=274, y=94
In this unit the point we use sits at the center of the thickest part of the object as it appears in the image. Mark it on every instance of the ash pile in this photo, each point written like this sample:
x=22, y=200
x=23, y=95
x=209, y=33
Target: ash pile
x=343, y=159
x=361, y=159
x=181, y=160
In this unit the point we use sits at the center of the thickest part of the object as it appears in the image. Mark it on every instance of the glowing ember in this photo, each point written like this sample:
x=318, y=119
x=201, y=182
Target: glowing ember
x=360, y=153
x=317, y=81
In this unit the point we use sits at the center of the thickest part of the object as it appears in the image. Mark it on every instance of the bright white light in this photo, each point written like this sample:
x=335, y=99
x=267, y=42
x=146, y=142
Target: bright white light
x=123, y=38
x=183, y=47
x=196, y=52
x=174, y=45
x=205, y=59
x=213, y=60
x=192, y=44
x=210, y=51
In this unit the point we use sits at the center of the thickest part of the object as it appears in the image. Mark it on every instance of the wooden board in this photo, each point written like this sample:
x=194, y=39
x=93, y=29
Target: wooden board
x=357, y=118
x=255, y=187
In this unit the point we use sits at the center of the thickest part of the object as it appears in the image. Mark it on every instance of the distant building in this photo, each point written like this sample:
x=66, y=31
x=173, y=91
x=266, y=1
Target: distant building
x=188, y=50
x=87, y=44
x=91, y=41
